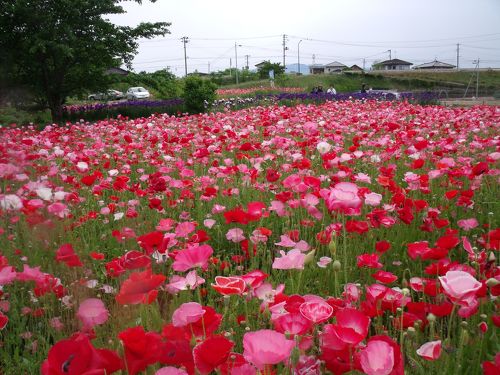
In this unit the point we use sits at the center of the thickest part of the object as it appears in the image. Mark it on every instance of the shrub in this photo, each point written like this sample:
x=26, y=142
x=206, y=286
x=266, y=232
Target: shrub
x=198, y=95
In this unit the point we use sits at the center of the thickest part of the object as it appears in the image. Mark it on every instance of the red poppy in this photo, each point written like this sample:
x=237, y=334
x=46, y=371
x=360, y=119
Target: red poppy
x=211, y=353
x=141, y=348
x=206, y=325
x=133, y=259
x=97, y=256
x=3, y=320
x=140, y=287
x=67, y=255
x=369, y=261
x=384, y=277
x=382, y=246
x=77, y=355
x=229, y=285
x=153, y=241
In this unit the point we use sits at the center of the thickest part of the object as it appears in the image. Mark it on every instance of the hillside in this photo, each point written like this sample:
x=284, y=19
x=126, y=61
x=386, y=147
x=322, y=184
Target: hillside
x=452, y=84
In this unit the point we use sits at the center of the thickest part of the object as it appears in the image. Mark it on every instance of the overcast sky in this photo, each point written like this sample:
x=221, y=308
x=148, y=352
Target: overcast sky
x=333, y=30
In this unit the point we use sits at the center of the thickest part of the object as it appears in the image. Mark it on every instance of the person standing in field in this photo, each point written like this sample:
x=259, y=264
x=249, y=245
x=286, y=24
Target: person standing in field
x=332, y=91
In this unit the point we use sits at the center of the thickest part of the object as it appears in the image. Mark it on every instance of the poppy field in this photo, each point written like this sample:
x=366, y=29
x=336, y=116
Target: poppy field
x=355, y=236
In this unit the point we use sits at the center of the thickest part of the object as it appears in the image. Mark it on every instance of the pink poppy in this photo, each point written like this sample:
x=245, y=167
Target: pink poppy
x=184, y=228
x=344, y=197
x=178, y=283
x=92, y=312
x=58, y=209
x=266, y=347
x=11, y=202
x=7, y=275
x=468, y=224
x=294, y=259
x=324, y=262
x=254, y=278
x=192, y=257
x=292, y=324
x=373, y=199
x=316, y=311
x=187, y=313
x=235, y=235
x=381, y=356
x=377, y=358
x=169, y=370
x=459, y=284
x=430, y=350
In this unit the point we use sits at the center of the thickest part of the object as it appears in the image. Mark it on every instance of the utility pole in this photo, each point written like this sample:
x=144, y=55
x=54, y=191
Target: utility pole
x=298, y=55
x=209, y=67
x=247, y=56
x=314, y=59
x=236, y=55
x=476, y=72
x=390, y=54
x=477, y=79
x=458, y=55
x=364, y=64
x=284, y=50
x=230, y=67
x=185, y=40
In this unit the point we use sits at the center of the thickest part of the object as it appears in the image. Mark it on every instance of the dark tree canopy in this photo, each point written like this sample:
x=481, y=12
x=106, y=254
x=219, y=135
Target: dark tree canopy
x=58, y=48
x=267, y=66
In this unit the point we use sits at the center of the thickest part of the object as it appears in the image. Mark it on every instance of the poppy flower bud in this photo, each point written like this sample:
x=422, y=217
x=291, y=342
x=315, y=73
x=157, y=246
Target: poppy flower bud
x=295, y=356
x=491, y=282
x=483, y=327
x=309, y=257
x=464, y=324
x=332, y=246
x=431, y=317
x=336, y=266
x=491, y=257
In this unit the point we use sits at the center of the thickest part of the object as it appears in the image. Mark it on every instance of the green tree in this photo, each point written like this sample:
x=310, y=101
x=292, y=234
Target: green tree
x=198, y=94
x=268, y=66
x=59, y=48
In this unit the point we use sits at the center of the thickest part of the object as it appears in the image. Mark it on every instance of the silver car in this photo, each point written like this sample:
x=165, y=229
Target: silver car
x=135, y=93
x=108, y=95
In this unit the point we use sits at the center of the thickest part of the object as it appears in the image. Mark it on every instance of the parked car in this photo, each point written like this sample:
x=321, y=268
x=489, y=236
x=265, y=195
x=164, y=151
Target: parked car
x=388, y=94
x=135, y=93
x=108, y=95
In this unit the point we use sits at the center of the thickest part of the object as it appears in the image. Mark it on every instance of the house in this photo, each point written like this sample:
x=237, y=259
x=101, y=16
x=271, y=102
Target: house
x=261, y=64
x=334, y=67
x=354, y=68
x=316, y=69
x=434, y=65
x=119, y=71
x=394, y=64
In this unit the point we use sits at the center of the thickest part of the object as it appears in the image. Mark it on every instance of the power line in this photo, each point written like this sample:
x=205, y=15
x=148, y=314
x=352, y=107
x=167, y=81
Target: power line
x=412, y=41
x=239, y=38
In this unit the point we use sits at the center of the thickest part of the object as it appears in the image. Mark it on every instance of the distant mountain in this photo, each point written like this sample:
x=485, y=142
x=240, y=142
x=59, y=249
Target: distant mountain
x=294, y=68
